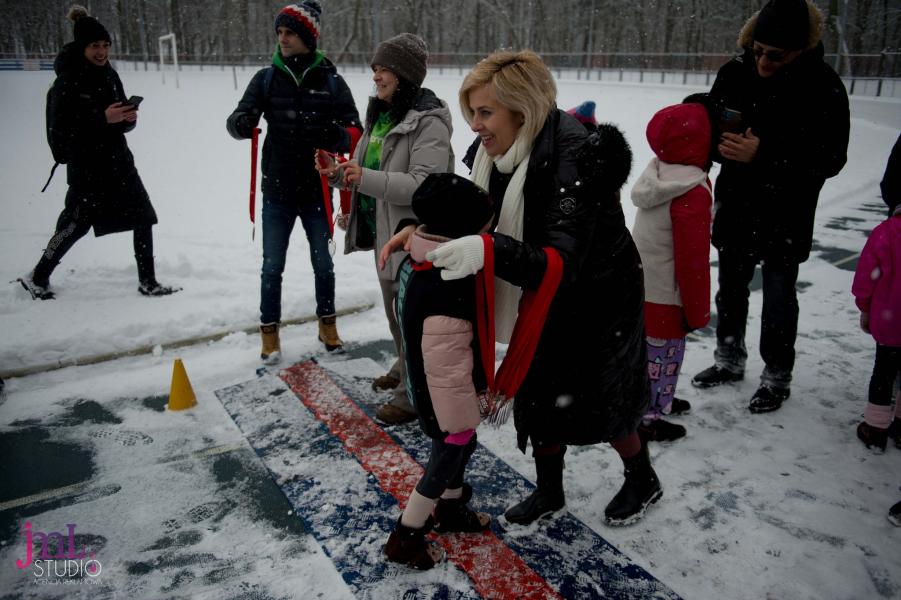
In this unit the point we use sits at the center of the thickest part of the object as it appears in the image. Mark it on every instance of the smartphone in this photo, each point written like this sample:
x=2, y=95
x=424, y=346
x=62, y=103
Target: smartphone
x=134, y=101
x=731, y=121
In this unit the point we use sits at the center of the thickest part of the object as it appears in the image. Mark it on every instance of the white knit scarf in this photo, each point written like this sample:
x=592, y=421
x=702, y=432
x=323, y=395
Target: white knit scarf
x=506, y=302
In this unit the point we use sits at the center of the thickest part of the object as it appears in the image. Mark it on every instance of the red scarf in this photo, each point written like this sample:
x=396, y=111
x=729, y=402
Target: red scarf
x=526, y=333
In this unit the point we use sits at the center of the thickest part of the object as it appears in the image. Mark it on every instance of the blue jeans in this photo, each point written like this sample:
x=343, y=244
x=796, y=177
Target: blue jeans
x=779, y=319
x=279, y=215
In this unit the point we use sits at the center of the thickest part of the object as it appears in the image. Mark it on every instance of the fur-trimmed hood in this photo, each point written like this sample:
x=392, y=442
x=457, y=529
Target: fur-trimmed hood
x=814, y=37
x=607, y=158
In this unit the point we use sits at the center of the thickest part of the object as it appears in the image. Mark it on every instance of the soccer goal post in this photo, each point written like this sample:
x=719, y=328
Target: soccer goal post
x=169, y=37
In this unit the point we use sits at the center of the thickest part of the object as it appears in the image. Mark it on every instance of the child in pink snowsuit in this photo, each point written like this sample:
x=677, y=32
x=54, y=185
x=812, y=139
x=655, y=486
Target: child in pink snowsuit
x=672, y=233
x=877, y=293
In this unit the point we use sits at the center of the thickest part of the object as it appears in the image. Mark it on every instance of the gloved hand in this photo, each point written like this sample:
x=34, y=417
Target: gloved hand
x=459, y=258
x=241, y=127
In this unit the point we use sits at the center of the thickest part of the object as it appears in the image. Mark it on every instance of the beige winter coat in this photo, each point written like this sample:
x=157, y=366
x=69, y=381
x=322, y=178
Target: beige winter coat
x=415, y=147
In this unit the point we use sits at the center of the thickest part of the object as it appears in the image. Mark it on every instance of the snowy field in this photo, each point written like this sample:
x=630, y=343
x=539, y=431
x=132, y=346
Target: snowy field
x=782, y=505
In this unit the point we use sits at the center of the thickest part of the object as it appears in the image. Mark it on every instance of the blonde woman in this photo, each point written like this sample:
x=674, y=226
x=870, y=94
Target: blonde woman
x=558, y=186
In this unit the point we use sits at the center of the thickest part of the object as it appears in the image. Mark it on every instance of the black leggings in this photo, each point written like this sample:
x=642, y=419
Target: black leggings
x=447, y=463
x=73, y=224
x=886, y=368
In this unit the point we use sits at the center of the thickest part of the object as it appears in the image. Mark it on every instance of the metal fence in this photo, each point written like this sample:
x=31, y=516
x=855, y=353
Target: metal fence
x=874, y=75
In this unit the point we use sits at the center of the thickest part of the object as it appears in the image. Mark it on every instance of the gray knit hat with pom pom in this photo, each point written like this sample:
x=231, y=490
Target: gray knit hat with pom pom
x=405, y=55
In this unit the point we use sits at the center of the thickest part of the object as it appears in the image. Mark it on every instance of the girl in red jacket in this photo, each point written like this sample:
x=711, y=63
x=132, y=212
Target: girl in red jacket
x=672, y=232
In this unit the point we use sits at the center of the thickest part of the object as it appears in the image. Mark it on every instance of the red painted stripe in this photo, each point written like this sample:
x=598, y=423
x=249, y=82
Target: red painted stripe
x=496, y=571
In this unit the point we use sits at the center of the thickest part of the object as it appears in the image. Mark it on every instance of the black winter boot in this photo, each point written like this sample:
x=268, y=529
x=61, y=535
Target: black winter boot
x=408, y=546
x=714, y=376
x=37, y=283
x=768, y=398
x=454, y=515
x=547, y=497
x=640, y=490
x=148, y=285
x=42, y=271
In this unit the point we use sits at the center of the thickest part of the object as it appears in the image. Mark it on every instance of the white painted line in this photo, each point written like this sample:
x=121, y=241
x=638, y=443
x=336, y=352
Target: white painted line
x=69, y=490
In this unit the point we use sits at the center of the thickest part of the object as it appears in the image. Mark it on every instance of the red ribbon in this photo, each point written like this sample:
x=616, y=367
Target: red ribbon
x=529, y=324
x=254, y=141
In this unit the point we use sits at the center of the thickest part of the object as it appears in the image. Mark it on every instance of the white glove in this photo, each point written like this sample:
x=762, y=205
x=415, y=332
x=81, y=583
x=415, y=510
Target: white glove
x=459, y=258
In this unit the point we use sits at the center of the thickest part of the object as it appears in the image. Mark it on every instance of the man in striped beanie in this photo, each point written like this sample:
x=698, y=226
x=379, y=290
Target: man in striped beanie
x=322, y=116
x=303, y=19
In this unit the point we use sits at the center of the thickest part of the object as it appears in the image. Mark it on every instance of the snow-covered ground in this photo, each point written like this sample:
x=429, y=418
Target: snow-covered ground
x=784, y=505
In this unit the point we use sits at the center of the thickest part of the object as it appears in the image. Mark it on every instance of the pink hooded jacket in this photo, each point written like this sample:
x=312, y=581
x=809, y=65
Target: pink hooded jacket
x=877, y=282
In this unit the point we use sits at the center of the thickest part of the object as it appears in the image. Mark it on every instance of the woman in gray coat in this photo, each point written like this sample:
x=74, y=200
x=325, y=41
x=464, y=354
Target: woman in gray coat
x=407, y=136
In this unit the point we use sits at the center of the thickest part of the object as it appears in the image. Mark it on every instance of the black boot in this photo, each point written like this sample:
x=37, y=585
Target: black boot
x=547, y=497
x=408, y=546
x=37, y=283
x=42, y=271
x=894, y=431
x=640, y=490
x=767, y=399
x=454, y=515
x=148, y=285
x=659, y=430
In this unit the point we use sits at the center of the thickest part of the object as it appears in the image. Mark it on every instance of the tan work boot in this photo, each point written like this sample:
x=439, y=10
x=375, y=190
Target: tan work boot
x=328, y=333
x=272, y=350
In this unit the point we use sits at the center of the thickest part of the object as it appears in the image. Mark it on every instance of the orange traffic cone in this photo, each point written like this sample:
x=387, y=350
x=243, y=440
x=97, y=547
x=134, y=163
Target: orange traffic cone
x=181, y=394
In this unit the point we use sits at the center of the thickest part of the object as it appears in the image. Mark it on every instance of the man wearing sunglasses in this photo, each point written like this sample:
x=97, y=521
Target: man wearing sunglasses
x=785, y=123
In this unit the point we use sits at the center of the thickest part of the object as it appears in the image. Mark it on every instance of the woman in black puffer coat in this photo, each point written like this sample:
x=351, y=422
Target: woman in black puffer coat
x=557, y=186
x=87, y=119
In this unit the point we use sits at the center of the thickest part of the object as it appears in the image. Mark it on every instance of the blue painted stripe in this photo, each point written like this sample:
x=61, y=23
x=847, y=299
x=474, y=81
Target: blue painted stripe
x=571, y=556
x=340, y=503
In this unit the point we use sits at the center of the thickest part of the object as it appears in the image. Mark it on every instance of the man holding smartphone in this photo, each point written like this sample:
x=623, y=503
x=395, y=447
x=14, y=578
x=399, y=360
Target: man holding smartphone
x=87, y=119
x=795, y=121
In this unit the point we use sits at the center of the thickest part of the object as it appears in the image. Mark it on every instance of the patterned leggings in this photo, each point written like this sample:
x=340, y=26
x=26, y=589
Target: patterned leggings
x=664, y=363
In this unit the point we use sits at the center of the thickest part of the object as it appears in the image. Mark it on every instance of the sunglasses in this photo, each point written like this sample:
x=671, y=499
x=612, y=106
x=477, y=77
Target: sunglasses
x=776, y=56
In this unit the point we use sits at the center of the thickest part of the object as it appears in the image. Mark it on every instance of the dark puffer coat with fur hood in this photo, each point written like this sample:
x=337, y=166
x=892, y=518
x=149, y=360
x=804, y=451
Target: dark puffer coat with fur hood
x=588, y=379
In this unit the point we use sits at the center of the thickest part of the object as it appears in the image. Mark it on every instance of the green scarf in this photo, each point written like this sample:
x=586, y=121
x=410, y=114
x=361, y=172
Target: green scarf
x=372, y=159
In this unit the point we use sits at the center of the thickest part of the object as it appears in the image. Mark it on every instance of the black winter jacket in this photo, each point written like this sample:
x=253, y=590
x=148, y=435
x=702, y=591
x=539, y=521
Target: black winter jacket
x=766, y=208
x=588, y=379
x=100, y=168
x=306, y=105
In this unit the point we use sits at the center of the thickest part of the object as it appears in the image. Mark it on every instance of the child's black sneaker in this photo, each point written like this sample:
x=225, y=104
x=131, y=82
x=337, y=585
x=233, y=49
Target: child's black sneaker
x=715, y=376
x=872, y=437
x=767, y=399
x=679, y=407
x=659, y=430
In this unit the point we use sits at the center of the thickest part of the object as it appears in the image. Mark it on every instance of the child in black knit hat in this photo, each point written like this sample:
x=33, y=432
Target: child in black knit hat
x=446, y=381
